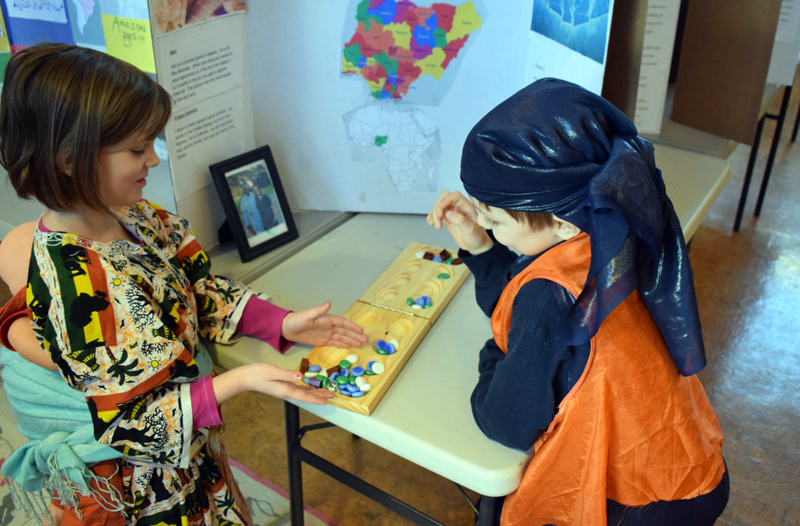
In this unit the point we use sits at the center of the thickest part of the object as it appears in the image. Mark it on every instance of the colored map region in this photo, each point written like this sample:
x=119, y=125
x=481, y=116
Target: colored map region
x=581, y=25
x=396, y=42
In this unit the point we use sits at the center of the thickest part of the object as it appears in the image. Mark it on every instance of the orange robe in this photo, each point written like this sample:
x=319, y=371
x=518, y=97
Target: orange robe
x=632, y=429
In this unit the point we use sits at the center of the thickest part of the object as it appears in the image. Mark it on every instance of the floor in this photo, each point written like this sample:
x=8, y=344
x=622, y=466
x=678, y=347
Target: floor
x=748, y=287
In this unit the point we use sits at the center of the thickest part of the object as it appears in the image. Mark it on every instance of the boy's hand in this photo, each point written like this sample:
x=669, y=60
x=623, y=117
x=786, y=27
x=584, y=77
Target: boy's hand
x=317, y=327
x=459, y=216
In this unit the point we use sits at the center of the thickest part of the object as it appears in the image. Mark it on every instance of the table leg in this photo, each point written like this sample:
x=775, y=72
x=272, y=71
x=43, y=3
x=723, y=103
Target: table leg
x=487, y=514
x=748, y=175
x=292, y=413
x=787, y=91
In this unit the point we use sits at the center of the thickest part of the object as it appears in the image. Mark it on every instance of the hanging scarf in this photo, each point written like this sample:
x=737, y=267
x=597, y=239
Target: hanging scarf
x=61, y=446
x=556, y=147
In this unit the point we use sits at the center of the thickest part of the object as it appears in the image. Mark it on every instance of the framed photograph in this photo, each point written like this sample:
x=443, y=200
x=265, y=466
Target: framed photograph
x=254, y=202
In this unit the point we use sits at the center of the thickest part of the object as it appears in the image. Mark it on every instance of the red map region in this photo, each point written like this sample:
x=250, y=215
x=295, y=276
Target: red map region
x=444, y=15
x=451, y=50
x=373, y=40
x=373, y=73
x=405, y=13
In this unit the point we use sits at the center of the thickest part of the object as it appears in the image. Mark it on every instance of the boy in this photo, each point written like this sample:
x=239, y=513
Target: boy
x=596, y=336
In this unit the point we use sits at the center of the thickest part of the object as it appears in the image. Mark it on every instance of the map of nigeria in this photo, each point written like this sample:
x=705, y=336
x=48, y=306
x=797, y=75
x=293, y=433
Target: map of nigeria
x=397, y=42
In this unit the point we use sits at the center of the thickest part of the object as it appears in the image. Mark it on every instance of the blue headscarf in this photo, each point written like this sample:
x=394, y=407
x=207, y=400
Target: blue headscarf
x=556, y=147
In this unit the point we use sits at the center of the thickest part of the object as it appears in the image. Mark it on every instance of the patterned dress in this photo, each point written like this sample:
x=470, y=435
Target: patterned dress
x=121, y=321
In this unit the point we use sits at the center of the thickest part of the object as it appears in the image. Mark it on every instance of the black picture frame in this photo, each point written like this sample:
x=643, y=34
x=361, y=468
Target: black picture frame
x=255, y=204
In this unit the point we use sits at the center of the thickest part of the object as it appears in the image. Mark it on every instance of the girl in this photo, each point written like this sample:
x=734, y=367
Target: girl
x=119, y=293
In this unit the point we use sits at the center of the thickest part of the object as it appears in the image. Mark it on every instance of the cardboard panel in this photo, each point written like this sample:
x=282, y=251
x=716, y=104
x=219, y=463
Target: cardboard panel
x=621, y=77
x=723, y=66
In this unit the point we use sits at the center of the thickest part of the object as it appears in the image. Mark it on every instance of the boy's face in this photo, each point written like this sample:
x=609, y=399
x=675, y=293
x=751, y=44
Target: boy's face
x=514, y=234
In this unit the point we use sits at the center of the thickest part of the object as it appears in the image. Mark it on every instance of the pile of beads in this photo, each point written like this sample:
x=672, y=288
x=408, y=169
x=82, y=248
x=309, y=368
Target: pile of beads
x=346, y=378
x=384, y=347
x=443, y=257
x=423, y=302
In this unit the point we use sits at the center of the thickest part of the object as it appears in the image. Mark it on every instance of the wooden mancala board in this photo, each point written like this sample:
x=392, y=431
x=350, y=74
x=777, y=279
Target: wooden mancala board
x=387, y=316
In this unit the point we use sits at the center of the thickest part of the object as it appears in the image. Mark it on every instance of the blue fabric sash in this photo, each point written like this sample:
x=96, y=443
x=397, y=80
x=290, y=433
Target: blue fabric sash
x=58, y=425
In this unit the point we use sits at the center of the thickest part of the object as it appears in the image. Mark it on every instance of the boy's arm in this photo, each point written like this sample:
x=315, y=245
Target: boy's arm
x=518, y=393
x=490, y=270
x=457, y=213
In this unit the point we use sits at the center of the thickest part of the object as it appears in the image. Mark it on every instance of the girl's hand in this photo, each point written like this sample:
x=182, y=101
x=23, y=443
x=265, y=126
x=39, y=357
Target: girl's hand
x=280, y=383
x=315, y=326
x=268, y=379
x=460, y=217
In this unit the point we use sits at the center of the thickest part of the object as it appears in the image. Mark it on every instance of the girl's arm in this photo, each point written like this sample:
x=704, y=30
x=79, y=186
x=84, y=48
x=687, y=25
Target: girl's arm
x=227, y=307
x=15, y=253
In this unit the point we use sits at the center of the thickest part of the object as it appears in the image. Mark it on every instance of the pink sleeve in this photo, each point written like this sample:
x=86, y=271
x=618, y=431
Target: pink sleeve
x=263, y=320
x=204, y=403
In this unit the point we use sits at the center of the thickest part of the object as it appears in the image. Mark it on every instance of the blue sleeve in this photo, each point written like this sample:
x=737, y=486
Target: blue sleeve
x=490, y=270
x=518, y=392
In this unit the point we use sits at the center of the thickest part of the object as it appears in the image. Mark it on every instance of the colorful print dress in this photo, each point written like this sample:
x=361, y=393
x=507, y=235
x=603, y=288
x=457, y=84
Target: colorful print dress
x=121, y=321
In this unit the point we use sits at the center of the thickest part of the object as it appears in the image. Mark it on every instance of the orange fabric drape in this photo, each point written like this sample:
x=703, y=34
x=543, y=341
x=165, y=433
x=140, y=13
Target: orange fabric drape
x=632, y=429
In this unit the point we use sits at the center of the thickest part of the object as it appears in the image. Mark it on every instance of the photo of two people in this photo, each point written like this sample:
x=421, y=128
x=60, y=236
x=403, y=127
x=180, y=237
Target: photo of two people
x=258, y=207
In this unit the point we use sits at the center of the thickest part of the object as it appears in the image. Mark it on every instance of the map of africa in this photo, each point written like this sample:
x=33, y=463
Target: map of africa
x=397, y=42
x=407, y=54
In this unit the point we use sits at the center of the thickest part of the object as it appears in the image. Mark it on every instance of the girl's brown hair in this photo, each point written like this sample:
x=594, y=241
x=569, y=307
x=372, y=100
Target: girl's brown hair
x=60, y=106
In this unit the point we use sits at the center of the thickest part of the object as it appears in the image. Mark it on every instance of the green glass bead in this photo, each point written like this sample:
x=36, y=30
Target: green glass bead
x=427, y=305
x=410, y=301
x=380, y=351
x=369, y=373
x=443, y=276
x=344, y=364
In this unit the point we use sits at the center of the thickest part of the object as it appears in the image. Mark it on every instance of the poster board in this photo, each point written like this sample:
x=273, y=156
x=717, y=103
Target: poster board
x=656, y=63
x=724, y=60
x=211, y=116
x=337, y=145
x=121, y=29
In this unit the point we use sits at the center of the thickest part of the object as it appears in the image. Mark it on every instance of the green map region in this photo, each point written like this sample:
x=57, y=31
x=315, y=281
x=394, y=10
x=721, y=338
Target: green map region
x=396, y=42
